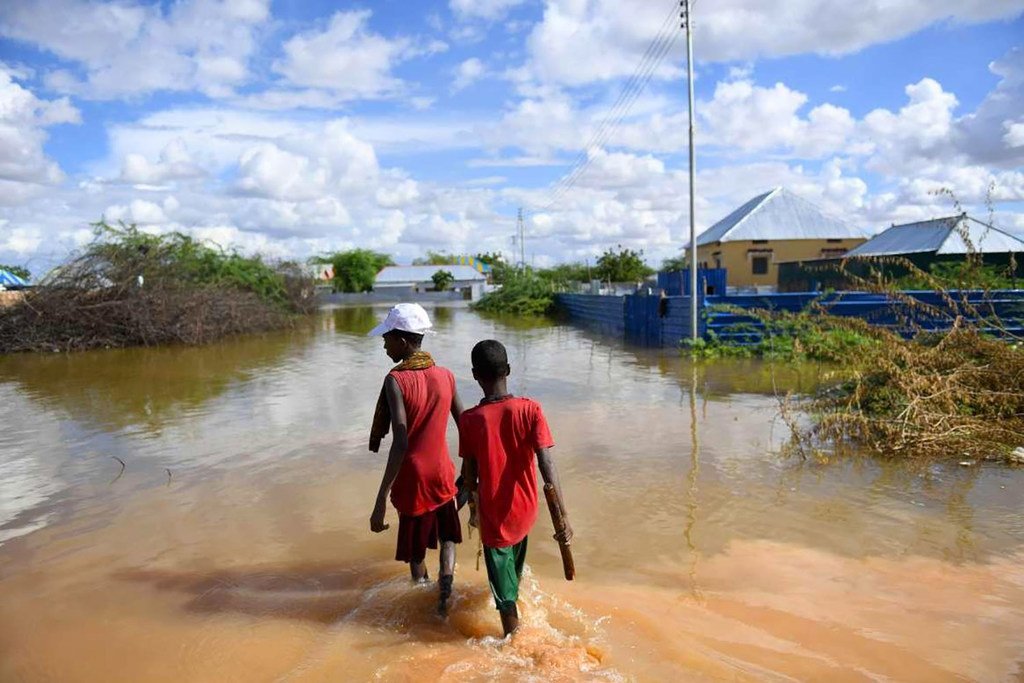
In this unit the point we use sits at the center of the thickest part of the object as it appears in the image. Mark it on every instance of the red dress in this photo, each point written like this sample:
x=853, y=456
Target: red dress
x=426, y=479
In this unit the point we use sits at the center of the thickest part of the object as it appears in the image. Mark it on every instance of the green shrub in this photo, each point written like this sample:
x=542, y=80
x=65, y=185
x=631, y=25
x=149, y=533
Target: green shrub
x=442, y=280
x=523, y=293
x=355, y=270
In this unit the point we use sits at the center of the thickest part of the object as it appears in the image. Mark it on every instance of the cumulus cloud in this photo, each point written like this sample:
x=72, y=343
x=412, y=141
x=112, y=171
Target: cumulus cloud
x=583, y=41
x=175, y=163
x=24, y=165
x=346, y=58
x=994, y=133
x=750, y=117
x=124, y=48
x=139, y=211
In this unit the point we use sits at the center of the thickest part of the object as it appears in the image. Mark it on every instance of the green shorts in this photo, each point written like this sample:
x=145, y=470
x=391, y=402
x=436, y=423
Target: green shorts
x=504, y=567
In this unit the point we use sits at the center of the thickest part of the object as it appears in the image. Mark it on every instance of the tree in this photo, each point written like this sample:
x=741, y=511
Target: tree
x=499, y=267
x=434, y=258
x=566, y=273
x=356, y=269
x=624, y=265
x=680, y=262
x=20, y=271
x=442, y=280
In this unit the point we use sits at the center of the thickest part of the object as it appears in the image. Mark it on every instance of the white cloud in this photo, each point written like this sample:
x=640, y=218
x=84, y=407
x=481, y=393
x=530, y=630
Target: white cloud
x=467, y=73
x=922, y=128
x=582, y=41
x=24, y=165
x=268, y=171
x=994, y=133
x=175, y=163
x=402, y=192
x=346, y=58
x=482, y=9
x=539, y=125
x=125, y=48
x=1014, y=136
x=20, y=241
x=139, y=211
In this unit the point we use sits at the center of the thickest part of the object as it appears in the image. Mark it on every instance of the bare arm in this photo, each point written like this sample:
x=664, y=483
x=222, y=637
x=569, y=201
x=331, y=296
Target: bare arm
x=456, y=406
x=470, y=481
x=399, y=446
x=549, y=473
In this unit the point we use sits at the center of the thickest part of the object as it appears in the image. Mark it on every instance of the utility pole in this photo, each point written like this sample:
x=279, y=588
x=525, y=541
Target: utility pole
x=521, y=232
x=687, y=16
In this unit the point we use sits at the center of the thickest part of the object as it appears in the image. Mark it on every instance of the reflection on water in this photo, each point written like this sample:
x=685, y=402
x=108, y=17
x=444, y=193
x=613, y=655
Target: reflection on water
x=144, y=388
x=701, y=555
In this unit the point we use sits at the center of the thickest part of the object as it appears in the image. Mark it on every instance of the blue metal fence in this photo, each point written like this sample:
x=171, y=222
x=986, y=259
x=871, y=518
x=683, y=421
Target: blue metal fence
x=710, y=281
x=664, y=321
x=602, y=313
x=906, y=313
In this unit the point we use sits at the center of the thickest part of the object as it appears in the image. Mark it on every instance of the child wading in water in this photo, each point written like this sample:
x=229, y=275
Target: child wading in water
x=415, y=402
x=498, y=441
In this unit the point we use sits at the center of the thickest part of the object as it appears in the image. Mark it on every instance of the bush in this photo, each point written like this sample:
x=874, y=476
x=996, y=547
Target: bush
x=442, y=279
x=624, y=265
x=956, y=396
x=966, y=274
x=355, y=270
x=524, y=293
x=788, y=337
x=566, y=274
x=132, y=288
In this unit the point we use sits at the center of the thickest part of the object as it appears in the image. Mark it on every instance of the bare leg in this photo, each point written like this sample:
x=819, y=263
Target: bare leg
x=509, y=620
x=446, y=573
x=418, y=570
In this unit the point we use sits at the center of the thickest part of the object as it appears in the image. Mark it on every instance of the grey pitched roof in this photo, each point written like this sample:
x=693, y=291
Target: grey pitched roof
x=779, y=215
x=949, y=235
x=402, y=274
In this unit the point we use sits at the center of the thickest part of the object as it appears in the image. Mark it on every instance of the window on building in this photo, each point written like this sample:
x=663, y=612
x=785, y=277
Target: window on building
x=834, y=241
x=759, y=265
x=760, y=241
x=832, y=253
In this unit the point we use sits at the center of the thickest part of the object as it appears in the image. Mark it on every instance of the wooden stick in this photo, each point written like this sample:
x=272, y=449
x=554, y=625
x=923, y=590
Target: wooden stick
x=558, y=521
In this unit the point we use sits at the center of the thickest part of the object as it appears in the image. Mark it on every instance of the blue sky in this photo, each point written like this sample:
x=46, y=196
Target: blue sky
x=292, y=128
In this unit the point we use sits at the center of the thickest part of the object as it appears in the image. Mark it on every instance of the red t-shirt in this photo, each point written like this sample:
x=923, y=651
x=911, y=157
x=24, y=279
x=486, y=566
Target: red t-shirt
x=426, y=479
x=502, y=437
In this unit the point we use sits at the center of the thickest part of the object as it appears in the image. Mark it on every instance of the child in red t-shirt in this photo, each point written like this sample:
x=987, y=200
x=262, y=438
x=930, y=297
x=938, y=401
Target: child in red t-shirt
x=415, y=402
x=498, y=441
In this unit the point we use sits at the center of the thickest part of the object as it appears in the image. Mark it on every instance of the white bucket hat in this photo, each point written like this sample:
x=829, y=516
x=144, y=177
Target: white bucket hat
x=406, y=317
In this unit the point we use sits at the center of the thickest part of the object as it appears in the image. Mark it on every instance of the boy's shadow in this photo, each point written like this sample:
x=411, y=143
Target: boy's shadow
x=368, y=594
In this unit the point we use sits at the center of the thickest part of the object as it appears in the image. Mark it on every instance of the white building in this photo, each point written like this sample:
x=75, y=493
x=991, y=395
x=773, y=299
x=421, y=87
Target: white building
x=420, y=279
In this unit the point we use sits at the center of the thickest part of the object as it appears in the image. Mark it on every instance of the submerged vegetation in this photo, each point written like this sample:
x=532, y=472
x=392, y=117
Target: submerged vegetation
x=958, y=393
x=531, y=292
x=789, y=337
x=524, y=293
x=955, y=394
x=131, y=288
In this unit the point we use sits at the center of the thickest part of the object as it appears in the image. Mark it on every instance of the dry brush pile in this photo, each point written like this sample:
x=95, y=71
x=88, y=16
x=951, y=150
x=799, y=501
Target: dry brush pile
x=955, y=395
x=952, y=394
x=130, y=288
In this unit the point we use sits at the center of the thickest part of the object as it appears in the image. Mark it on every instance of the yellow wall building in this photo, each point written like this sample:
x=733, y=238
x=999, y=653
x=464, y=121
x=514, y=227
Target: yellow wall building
x=771, y=228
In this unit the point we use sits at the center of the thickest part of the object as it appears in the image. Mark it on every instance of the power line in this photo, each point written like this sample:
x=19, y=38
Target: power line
x=642, y=74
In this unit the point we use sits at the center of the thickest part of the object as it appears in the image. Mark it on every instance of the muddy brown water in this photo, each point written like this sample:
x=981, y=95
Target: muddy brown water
x=234, y=545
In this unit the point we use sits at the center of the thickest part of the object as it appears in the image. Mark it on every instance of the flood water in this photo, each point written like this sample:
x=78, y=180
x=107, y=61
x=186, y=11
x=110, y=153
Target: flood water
x=234, y=545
